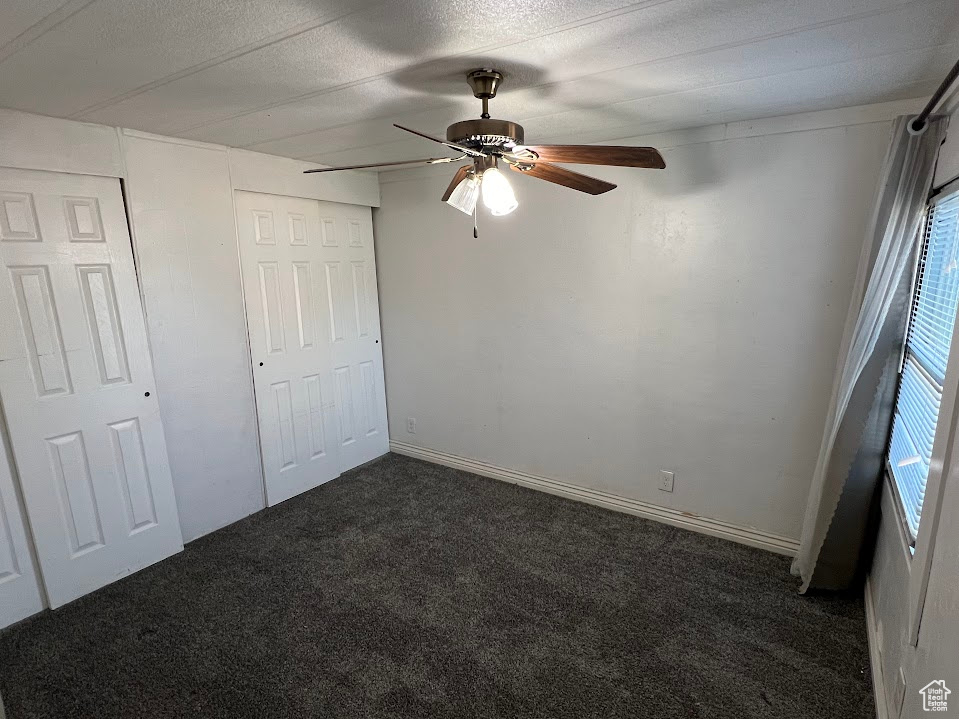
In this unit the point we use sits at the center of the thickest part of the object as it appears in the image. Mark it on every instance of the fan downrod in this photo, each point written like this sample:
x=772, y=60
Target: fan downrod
x=485, y=134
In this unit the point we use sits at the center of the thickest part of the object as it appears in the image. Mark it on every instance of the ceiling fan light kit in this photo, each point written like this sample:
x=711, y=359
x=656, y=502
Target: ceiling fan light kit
x=464, y=195
x=486, y=140
x=497, y=194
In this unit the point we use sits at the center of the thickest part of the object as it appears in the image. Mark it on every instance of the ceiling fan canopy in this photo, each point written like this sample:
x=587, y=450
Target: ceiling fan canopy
x=486, y=140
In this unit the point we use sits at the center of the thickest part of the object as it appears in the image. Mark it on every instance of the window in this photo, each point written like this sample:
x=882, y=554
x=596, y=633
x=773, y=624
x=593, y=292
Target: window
x=929, y=336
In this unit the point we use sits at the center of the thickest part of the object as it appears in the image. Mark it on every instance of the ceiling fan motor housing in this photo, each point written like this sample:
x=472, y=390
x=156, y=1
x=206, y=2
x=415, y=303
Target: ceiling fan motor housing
x=489, y=134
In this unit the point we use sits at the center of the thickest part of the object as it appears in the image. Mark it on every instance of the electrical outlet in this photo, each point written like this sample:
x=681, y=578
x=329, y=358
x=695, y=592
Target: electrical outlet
x=411, y=425
x=666, y=480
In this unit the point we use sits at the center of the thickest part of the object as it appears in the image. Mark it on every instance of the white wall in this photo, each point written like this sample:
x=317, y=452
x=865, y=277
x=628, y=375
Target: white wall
x=689, y=320
x=180, y=198
x=907, y=591
x=181, y=205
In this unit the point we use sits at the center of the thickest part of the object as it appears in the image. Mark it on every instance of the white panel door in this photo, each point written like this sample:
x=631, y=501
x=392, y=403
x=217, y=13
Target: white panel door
x=354, y=317
x=310, y=287
x=280, y=245
x=76, y=383
x=19, y=585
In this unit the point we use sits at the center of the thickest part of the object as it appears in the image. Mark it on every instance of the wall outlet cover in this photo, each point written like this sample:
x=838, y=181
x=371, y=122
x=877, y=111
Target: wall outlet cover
x=666, y=480
x=411, y=425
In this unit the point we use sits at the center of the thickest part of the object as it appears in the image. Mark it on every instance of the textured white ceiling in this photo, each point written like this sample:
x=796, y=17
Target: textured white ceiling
x=324, y=79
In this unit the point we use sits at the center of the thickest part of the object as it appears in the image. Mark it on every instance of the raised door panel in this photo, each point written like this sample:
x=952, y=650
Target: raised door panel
x=83, y=219
x=361, y=298
x=303, y=302
x=284, y=425
x=370, y=422
x=18, y=218
x=42, y=338
x=103, y=319
x=20, y=592
x=274, y=329
x=129, y=456
x=336, y=300
x=345, y=406
x=78, y=501
x=77, y=384
x=316, y=419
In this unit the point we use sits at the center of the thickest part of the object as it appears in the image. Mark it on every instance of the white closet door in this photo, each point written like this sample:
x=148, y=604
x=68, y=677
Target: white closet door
x=19, y=585
x=77, y=385
x=280, y=248
x=310, y=288
x=353, y=308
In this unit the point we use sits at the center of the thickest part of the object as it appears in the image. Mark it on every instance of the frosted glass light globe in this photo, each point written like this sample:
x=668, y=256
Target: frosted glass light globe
x=497, y=194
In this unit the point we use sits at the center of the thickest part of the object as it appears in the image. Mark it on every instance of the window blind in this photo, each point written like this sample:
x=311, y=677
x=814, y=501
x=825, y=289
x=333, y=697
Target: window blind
x=929, y=337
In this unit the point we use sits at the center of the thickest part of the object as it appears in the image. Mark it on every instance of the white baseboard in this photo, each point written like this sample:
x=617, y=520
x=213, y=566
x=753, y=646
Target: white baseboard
x=875, y=659
x=686, y=520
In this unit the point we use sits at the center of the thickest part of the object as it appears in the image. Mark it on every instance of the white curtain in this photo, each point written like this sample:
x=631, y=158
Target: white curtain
x=857, y=427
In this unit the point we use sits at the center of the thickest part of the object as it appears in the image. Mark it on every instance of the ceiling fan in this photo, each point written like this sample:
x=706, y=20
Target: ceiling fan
x=486, y=141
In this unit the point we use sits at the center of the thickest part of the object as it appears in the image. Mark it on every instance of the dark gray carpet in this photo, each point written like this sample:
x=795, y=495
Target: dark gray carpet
x=403, y=589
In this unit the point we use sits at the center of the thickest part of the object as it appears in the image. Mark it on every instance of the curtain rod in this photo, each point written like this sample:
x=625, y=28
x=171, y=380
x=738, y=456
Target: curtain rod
x=920, y=120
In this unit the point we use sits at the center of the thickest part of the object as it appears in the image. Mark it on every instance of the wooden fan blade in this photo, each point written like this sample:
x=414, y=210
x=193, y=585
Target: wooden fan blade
x=467, y=150
x=566, y=178
x=618, y=155
x=457, y=179
x=426, y=161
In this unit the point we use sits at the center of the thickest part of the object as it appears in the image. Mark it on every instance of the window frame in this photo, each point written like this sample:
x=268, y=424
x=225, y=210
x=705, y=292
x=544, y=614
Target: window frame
x=942, y=467
x=947, y=192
